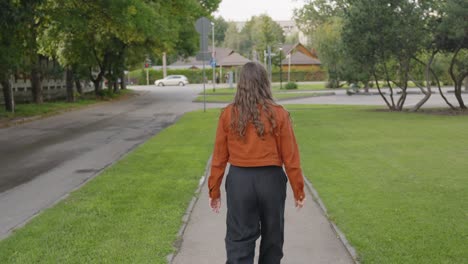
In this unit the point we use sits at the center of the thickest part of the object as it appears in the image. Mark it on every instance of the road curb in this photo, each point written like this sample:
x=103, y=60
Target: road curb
x=188, y=213
x=277, y=100
x=350, y=249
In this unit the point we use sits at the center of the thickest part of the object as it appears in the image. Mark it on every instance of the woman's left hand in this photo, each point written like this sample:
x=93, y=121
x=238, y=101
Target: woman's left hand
x=215, y=204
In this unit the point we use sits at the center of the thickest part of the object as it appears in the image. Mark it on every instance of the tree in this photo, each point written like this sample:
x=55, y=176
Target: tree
x=10, y=49
x=330, y=49
x=317, y=12
x=453, y=39
x=34, y=19
x=322, y=20
x=259, y=33
x=232, y=37
x=386, y=37
x=220, y=28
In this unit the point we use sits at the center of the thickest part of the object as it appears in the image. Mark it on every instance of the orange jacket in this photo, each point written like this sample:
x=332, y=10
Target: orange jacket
x=252, y=151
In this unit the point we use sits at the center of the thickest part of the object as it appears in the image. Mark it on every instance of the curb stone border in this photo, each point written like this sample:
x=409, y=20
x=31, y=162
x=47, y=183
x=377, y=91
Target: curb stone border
x=352, y=252
x=186, y=217
x=277, y=100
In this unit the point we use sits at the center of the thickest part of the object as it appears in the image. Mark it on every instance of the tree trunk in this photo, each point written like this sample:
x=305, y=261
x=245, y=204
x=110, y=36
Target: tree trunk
x=36, y=84
x=97, y=87
x=123, y=83
x=7, y=93
x=458, y=94
x=387, y=76
x=427, y=74
x=380, y=92
x=116, y=86
x=79, y=88
x=97, y=81
x=366, y=86
x=69, y=85
x=466, y=84
x=457, y=82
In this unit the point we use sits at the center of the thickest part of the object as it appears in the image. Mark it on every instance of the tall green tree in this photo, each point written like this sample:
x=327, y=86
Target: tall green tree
x=233, y=37
x=386, y=36
x=10, y=49
x=259, y=33
x=220, y=28
x=34, y=19
x=453, y=39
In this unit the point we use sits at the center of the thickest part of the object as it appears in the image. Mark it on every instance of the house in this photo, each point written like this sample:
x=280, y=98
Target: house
x=299, y=57
x=193, y=63
x=226, y=59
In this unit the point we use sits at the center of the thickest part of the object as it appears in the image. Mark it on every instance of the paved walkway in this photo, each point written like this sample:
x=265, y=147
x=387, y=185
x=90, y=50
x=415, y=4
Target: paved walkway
x=309, y=237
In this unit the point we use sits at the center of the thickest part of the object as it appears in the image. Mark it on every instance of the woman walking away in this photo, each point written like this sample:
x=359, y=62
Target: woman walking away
x=255, y=136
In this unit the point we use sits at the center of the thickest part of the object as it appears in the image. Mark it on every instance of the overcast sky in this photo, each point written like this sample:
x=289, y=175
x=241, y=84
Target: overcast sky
x=242, y=10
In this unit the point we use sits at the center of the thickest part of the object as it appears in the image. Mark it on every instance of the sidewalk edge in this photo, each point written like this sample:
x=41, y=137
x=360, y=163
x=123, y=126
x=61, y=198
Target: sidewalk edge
x=349, y=248
x=188, y=213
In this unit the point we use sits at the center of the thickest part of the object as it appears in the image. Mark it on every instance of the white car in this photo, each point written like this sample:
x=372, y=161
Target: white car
x=180, y=80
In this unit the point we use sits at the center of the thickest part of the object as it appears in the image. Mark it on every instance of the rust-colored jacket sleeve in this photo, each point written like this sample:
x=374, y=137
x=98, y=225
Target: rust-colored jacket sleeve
x=219, y=159
x=291, y=158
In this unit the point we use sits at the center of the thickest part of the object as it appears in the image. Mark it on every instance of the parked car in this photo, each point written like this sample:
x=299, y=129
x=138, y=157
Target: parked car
x=180, y=80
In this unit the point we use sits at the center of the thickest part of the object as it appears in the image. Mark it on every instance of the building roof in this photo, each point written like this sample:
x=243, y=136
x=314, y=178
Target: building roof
x=287, y=48
x=299, y=58
x=192, y=62
x=235, y=59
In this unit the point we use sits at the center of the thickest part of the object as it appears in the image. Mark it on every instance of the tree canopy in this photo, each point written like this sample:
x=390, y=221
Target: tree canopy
x=95, y=39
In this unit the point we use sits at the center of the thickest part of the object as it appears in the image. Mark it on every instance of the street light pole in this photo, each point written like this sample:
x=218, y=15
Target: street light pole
x=281, y=68
x=213, y=54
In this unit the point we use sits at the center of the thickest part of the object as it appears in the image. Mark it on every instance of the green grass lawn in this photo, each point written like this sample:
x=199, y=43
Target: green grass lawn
x=395, y=183
x=129, y=214
x=224, y=98
x=29, y=110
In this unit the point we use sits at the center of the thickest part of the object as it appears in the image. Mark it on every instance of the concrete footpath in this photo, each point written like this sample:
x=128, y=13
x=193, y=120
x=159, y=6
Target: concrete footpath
x=309, y=236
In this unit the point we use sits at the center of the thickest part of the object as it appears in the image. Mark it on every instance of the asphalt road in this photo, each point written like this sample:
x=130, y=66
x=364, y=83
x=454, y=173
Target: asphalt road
x=42, y=161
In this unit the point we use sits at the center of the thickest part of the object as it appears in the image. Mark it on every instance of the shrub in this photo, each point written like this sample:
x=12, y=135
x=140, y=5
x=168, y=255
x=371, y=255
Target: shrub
x=291, y=86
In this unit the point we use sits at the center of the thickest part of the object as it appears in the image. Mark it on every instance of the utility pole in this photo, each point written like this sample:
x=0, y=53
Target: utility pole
x=164, y=65
x=269, y=63
x=281, y=68
x=213, y=56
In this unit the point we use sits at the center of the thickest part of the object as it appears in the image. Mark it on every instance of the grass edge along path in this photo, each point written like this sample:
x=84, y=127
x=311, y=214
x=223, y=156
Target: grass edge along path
x=392, y=182
x=130, y=213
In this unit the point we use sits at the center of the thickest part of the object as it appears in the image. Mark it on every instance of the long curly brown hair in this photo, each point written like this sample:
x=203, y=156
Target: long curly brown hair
x=253, y=98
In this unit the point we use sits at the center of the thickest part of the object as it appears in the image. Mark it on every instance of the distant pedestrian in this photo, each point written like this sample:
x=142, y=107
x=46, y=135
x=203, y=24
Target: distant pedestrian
x=256, y=137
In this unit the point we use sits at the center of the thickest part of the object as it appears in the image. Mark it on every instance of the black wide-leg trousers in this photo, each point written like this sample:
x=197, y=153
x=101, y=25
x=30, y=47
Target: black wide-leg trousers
x=255, y=207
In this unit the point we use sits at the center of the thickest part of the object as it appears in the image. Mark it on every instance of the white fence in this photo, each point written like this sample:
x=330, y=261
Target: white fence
x=52, y=89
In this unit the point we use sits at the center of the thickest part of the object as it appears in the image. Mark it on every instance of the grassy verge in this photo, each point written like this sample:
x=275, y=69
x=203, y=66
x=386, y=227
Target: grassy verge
x=49, y=108
x=395, y=183
x=224, y=98
x=129, y=214
x=276, y=89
